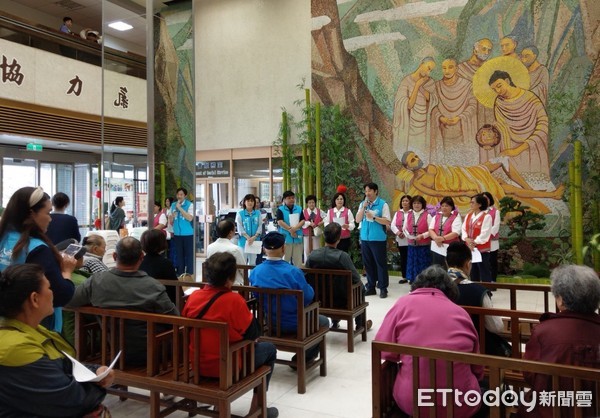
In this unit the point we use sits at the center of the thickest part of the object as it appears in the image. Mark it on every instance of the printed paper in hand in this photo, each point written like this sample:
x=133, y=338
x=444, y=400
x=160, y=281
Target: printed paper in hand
x=83, y=374
x=475, y=256
x=339, y=221
x=254, y=248
x=294, y=219
x=439, y=250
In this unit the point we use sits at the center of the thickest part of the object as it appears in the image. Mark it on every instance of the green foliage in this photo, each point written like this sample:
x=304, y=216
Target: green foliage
x=536, y=270
x=519, y=219
x=394, y=257
x=339, y=149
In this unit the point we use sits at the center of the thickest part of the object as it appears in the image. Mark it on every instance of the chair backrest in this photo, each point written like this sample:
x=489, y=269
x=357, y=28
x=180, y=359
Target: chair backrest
x=331, y=287
x=585, y=382
x=169, y=340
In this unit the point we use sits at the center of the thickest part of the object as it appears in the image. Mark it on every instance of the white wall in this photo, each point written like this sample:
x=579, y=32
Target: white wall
x=250, y=56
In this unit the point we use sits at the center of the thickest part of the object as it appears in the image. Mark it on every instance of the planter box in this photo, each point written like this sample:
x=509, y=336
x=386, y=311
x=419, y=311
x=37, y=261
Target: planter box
x=523, y=279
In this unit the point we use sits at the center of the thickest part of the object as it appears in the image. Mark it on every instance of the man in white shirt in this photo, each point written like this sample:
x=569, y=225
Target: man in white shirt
x=223, y=244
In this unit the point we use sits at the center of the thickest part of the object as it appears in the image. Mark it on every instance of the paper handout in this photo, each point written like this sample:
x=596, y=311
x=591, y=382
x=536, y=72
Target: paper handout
x=83, y=374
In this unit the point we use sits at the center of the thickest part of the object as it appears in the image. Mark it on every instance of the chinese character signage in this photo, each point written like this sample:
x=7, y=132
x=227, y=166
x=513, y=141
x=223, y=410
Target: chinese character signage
x=212, y=169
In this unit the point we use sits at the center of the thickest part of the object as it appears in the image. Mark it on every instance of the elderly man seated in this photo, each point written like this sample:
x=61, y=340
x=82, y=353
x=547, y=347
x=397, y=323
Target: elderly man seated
x=329, y=257
x=275, y=273
x=127, y=287
x=223, y=244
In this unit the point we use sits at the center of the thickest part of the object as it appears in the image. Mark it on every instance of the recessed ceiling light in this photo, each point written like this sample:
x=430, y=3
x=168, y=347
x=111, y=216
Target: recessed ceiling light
x=118, y=25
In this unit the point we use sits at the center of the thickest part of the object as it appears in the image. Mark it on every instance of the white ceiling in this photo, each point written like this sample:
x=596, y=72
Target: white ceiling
x=89, y=14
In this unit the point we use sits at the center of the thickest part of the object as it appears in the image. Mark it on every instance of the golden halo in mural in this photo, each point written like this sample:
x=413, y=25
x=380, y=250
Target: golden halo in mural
x=481, y=88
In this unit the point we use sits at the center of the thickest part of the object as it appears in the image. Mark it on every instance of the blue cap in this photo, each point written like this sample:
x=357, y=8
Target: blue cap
x=273, y=240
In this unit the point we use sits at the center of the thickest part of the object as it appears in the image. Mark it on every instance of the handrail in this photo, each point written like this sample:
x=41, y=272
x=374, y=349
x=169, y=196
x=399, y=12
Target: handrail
x=33, y=31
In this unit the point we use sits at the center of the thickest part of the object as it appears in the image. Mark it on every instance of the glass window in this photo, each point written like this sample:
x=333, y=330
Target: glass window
x=17, y=173
x=250, y=176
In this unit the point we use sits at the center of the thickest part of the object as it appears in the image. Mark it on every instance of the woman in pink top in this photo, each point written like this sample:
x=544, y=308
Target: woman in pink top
x=428, y=317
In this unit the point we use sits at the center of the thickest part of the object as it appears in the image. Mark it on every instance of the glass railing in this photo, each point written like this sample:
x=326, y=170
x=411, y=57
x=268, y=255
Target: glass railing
x=16, y=30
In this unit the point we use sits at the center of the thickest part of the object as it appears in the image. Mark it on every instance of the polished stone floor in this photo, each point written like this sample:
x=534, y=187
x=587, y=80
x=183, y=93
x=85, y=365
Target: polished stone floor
x=346, y=390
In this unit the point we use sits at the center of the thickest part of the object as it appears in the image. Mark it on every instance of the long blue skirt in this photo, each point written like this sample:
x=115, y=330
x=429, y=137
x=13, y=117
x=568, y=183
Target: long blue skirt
x=419, y=258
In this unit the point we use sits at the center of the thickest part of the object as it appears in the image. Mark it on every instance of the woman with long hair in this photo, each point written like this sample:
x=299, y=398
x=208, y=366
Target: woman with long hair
x=341, y=214
x=23, y=240
x=248, y=226
x=398, y=229
x=117, y=217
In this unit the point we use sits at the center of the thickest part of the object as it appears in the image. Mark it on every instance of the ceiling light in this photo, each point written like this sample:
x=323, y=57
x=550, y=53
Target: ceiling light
x=118, y=25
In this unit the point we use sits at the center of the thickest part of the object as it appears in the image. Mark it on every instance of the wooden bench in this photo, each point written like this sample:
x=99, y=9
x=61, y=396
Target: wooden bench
x=513, y=288
x=384, y=375
x=328, y=283
x=267, y=308
x=517, y=335
x=169, y=369
x=307, y=335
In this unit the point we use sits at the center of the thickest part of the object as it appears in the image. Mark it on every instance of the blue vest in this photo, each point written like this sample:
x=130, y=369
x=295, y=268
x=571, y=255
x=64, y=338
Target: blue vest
x=7, y=245
x=251, y=223
x=373, y=231
x=6, y=249
x=286, y=218
x=181, y=226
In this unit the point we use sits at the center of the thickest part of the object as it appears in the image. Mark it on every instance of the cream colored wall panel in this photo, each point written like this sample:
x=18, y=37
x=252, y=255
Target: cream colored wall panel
x=114, y=85
x=66, y=84
x=17, y=72
x=54, y=81
x=250, y=56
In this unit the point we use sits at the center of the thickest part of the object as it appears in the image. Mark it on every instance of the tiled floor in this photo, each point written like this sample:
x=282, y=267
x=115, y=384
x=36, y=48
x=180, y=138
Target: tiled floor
x=346, y=390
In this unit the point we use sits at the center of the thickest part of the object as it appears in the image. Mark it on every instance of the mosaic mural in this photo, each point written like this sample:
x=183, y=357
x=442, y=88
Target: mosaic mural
x=455, y=97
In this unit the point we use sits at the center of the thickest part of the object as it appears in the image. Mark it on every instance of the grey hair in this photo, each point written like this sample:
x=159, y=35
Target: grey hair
x=427, y=59
x=578, y=286
x=437, y=278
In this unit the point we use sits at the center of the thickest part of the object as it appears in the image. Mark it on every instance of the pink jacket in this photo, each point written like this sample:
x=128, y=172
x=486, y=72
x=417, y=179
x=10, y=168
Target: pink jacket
x=427, y=318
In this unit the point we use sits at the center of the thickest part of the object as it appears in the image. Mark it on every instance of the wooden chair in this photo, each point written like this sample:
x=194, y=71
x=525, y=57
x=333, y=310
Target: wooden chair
x=340, y=299
x=562, y=377
x=169, y=368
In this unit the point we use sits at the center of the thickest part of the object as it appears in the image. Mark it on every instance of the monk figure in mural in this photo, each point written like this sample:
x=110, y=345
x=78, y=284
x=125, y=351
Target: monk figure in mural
x=413, y=103
x=508, y=46
x=454, y=119
x=436, y=181
x=538, y=73
x=523, y=124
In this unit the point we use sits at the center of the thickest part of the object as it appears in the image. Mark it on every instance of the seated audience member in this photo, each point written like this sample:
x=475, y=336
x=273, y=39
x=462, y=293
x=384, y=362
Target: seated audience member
x=275, y=273
x=223, y=244
x=571, y=336
x=428, y=317
x=95, y=246
x=63, y=226
x=329, y=257
x=216, y=302
x=35, y=375
x=155, y=264
x=458, y=258
x=126, y=287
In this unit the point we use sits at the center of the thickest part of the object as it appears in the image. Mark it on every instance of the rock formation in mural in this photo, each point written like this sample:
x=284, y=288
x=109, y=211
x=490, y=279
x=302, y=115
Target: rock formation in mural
x=471, y=87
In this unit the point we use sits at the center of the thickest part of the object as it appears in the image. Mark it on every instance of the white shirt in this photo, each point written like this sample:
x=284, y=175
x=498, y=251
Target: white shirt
x=417, y=218
x=403, y=242
x=495, y=229
x=486, y=227
x=307, y=221
x=338, y=214
x=223, y=245
x=456, y=224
